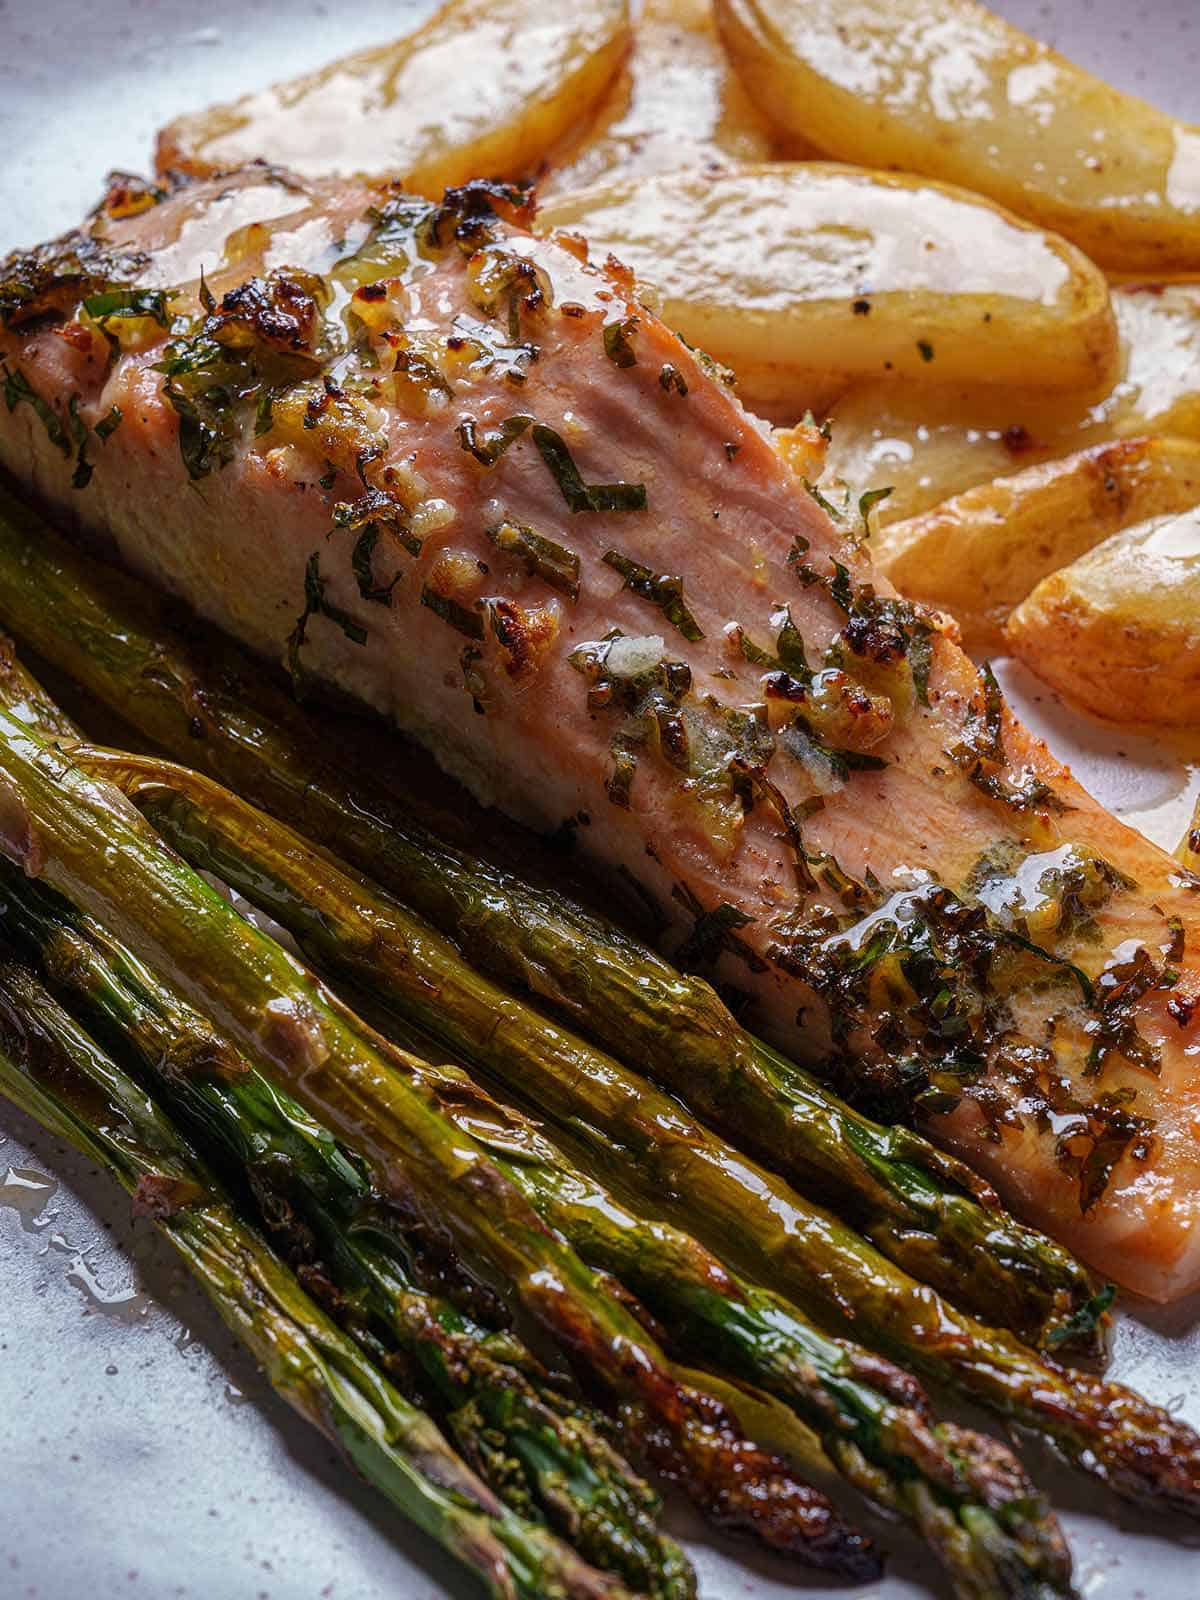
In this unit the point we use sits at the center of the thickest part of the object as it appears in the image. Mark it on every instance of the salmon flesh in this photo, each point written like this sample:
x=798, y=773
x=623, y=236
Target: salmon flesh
x=412, y=450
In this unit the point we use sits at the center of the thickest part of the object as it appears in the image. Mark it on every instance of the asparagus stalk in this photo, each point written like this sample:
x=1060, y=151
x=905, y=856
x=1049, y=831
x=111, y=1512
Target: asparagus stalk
x=87, y=842
x=533, y=1444
x=211, y=707
x=56, y=1073
x=963, y=1492
x=736, y=1208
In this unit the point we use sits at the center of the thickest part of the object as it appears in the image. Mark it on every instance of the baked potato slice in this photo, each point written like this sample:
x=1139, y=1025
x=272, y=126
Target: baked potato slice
x=675, y=103
x=950, y=89
x=933, y=442
x=1118, y=631
x=980, y=553
x=834, y=270
x=483, y=88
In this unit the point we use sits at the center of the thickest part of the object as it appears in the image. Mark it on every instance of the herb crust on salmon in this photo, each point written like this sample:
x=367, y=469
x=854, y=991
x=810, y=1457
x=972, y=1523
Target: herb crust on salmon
x=410, y=450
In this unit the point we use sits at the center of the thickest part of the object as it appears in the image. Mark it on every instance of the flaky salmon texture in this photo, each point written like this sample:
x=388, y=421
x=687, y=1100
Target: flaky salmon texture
x=416, y=452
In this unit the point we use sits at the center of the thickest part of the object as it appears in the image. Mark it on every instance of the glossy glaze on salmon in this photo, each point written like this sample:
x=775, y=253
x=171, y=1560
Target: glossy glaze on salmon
x=458, y=472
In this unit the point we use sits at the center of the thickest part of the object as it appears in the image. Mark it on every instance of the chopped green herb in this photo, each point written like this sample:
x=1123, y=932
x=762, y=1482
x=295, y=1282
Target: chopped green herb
x=841, y=586
x=108, y=425
x=17, y=388
x=617, y=346
x=1113, y=1030
x=542, y=557
x=866, y=502
x=825, y=504
x=1029, y=793
x=582, y=496
x=328, y=477
x=926, y=349
x=980, y=754
x=789, y=646
x=840, y=762
x=713, y=932
x=920, y=660
x=754, y=653
x=264, y=411
x=795, y=556
x=316, y=603
x=115, y=304
x=467, y=619
x=789, y=654
x=987, y=735
x=360, y=562
x=77, y=427
x=488, y=446
x=670, y=378
x=659, y=590
x=1034, y=949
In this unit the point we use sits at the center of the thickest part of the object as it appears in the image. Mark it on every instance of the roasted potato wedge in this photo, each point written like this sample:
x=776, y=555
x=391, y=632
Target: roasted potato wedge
x=1118, y=631
x=948, y=88
x=933, y=442
x=980, y=553
x=1188, y=848
x=485, y=87
x=676, y=103
x=840, y=271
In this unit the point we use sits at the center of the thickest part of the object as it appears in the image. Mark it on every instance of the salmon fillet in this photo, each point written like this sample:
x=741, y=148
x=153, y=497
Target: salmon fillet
x=413, y=451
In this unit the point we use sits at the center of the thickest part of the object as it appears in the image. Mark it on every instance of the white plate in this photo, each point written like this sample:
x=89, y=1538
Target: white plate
x=130, y=1463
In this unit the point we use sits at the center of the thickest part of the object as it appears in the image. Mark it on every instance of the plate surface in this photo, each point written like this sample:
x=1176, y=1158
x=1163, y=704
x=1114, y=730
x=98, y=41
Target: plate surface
x=131, y=1463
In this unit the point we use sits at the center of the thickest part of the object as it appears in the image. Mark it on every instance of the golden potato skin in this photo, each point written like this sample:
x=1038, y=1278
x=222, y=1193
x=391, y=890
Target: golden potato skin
x=950, y=89
x=937, y=440
x=980, y=553
x=1118, y=631
x=842, y=271
x=483, y=88
x=675, y=103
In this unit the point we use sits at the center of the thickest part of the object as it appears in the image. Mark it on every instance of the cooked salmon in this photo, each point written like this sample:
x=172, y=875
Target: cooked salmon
x=410, y=450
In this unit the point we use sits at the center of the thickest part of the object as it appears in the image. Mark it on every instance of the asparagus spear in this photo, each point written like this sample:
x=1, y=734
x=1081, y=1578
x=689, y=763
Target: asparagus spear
x=535, y=1445
x=963, y=1492
x=55, y=1072
x=210, y=706
x=87, y=842
x=735, y=1207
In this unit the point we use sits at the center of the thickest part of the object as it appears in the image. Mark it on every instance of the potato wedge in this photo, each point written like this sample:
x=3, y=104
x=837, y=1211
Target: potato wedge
x=933, y=442
x=841, y=271
x=1118, y=631
x=980, y=553
x=676, y=103
x=484, y=88
x=948, y=88
x=1188, y=848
